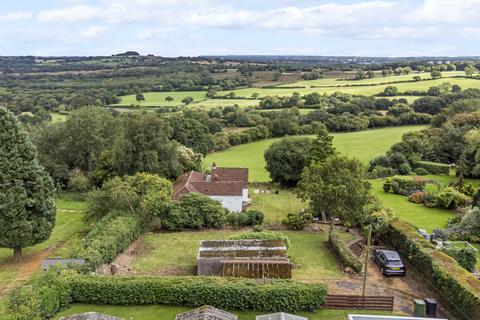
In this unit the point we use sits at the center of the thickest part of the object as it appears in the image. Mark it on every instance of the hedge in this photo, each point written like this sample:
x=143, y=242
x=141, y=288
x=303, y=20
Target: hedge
x=407, y=185
x=40, y=299
x=262, y=235
x=220, y=292
x=460, y=289
x=434, y=167
x=111, y=235
x=346, y=256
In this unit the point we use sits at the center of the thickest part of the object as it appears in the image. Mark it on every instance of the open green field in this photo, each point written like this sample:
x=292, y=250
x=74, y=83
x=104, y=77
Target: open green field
x=301, y=111
x=364, y=145
x=175, y=253
x=275, y=206
x=214, y=103
x=377, y=80
x=158, y=98
x=161, y=312
x=367, y=90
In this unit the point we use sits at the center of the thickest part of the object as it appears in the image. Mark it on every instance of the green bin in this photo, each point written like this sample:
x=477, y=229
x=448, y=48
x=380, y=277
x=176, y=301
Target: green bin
x=419, y=308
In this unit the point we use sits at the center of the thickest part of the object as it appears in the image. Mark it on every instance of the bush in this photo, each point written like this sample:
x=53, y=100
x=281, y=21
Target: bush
x=448, y=277
x=262, y=235
x=421, y=171
x=466, y=257
x=407, y=185
x=434, y=167
x=347, y=258
x=111, y=235
x=194, y=211
x=237, y=219
x=78, y=181
x=381, y=172
x=297, y=221
x=449, y=198
x=417, y=197
x=220, y=292
x=255, y=217
x=387, y=186
x=41, y=299
x=467, y=189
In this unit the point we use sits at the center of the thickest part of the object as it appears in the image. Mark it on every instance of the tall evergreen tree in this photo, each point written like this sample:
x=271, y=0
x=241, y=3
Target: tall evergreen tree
x=27, y=209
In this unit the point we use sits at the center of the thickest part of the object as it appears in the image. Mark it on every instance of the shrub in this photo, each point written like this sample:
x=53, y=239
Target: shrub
x=466, y=257
x=346, y=256
x=41, y=299
x=262, y=235
x=404, y=168
x=194, y=211
x=430, y=200
x=220, y=292
x=449, y=198
x=237, y=219
x=297, y=221
x=387, y=186
x=448, y=277
x=417, y=197
x=434, y=167
x=467, y=189
x=78, y=181
x=407, y=185
x=255, y=217
x=110, y=236
x=421, y=171
x=381, y=172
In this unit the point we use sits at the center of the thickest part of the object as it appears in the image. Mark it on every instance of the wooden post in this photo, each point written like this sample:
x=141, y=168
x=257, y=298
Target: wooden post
x=369, y=239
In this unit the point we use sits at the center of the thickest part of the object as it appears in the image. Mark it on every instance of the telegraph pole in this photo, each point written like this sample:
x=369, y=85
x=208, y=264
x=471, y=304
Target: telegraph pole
x=369, y=239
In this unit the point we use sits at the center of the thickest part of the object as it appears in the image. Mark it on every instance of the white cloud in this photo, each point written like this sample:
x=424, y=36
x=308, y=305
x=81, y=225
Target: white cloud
x=93, y=32
x=71, y=14
x=15, y=16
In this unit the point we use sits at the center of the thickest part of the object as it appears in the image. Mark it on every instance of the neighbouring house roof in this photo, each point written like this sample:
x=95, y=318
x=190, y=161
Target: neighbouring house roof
x=280, y=316
x=206, y=313
x=52, y=262
x=221, y=182
x=90, y=316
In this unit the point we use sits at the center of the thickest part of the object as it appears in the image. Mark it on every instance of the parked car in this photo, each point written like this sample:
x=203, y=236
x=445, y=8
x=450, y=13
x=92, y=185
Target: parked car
x=390, y=262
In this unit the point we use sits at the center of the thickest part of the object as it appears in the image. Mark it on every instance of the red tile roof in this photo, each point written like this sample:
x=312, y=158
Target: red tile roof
x=221, y=182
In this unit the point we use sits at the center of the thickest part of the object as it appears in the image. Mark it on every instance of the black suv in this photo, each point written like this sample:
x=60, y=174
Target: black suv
x=390, y=262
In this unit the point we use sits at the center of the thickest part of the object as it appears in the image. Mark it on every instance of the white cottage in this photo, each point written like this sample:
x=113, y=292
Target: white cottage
x=227, y=185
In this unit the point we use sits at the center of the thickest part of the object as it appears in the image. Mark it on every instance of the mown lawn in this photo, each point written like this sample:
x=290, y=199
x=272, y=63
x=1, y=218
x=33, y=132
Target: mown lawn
x=364, y=145
x=176, y=252
x=276, y=206
x=161, y=312
x=416, y=214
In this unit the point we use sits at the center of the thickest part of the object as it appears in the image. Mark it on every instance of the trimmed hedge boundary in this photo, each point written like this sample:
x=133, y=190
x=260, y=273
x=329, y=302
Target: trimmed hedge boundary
x=220, y=292
x=346, y=256
x=434, y=167
x=112, y=235
x=460, y=289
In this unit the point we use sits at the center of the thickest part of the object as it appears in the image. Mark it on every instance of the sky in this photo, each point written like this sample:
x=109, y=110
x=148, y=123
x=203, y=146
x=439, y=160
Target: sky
x=221, y=27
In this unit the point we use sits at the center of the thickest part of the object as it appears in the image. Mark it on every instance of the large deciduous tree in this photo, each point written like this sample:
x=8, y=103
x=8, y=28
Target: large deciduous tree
x=336, y=187
x=27, y=209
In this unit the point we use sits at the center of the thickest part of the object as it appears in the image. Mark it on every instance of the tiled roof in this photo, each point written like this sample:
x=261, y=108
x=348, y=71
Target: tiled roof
x=221, y=182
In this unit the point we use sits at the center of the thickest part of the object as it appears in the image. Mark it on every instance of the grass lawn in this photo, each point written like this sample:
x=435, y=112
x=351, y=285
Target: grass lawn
x=365, y=145
x=158, y=98
x=301, y=111
x=176, y=252
x=416, y=214
x=276, y=206
x=214, y=103
x=57, y=117
x=65, y=235
x=162, y=312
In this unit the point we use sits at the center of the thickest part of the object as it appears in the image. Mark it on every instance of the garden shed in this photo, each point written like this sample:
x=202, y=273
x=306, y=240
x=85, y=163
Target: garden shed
x=244, y=258
x=206, y=313
x=90, y=316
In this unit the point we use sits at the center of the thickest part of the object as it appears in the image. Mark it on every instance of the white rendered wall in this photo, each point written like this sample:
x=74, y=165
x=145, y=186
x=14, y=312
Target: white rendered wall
x=245, y=194
x=232, y=203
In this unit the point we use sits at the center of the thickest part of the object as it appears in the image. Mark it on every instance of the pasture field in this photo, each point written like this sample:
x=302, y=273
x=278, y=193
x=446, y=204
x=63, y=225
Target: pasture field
x=364, y=145
x=367, y=90
x=214, y=103
x=376, y=80
x=301, y=111
x=163, y=312
x=174, y=253
x=155, y=99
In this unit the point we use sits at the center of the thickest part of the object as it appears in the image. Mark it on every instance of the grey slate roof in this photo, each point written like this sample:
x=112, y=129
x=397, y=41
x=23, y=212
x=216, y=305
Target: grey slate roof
x=280, y=316
x=90, y=316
